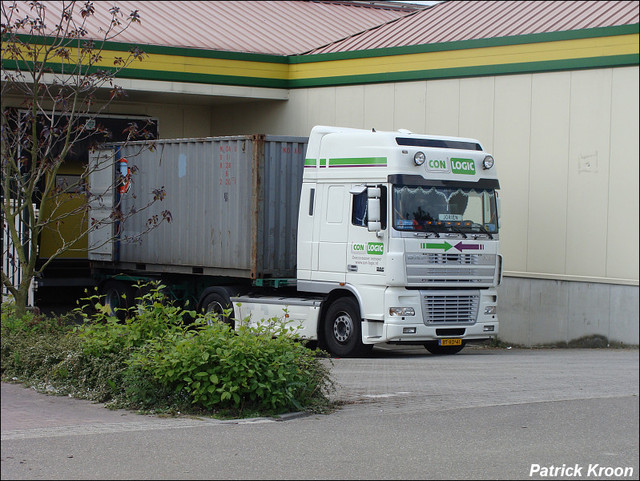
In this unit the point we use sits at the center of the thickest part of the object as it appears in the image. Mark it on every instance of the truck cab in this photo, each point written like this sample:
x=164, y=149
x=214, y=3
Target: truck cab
x=401, y=232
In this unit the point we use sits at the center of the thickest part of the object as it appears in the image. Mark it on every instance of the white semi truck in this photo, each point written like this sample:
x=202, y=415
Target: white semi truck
x=359, y=237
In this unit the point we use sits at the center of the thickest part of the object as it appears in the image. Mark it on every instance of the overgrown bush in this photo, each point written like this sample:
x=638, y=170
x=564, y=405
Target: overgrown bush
x=257, y=368
x=33, y=344
x=154, y=361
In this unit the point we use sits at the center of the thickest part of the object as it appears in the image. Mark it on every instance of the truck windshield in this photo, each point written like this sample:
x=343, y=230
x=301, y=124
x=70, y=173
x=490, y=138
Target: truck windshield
x=444, y=209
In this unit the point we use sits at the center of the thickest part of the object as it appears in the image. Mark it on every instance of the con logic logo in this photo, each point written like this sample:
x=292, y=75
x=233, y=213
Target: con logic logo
x=371, y=248
x=437, y=165
x=463, y=166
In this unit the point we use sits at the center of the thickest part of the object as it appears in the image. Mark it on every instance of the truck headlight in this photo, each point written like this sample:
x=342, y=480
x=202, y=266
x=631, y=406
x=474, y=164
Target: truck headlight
x=402, y=311
x=487, y=163
x=419, y=158
x=490, y=310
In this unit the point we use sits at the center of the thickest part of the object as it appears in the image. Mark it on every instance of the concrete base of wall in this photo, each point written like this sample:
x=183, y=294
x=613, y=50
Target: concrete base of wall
x=538, y=311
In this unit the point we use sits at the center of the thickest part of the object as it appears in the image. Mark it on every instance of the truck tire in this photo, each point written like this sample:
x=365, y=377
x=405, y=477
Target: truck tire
x=117, y=297
x=343, y=329
x=434, y=348
x=218, y=303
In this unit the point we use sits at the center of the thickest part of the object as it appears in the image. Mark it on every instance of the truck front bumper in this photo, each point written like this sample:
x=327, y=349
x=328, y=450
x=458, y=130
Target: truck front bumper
x=434, y=314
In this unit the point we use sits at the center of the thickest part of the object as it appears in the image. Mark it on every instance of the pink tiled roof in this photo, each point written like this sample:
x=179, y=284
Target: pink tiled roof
x=268, y=27
x=329, y=26
x=455, y=20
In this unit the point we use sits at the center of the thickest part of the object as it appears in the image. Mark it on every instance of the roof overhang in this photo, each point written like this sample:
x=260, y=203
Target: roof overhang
x=198, y=93
x=209, y=77
x=181, y=92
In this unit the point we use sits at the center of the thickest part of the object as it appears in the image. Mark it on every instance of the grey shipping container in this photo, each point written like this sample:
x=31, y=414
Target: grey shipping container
x=233, y=203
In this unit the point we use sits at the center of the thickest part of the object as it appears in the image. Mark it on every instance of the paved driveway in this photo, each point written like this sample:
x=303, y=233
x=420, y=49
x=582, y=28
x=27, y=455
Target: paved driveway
x=481, y=414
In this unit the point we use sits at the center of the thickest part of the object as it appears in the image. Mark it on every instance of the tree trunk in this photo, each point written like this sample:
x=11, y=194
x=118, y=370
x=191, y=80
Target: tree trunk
x=21, y=298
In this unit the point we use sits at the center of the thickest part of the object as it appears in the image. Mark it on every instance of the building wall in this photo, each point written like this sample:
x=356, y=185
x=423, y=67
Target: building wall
x=544, y=311
x=566, y=149
x=566, y=146
x=174, y=120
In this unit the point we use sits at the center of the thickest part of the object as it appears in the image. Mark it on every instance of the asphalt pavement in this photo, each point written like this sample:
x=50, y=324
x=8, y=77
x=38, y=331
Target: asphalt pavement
x=484, y=413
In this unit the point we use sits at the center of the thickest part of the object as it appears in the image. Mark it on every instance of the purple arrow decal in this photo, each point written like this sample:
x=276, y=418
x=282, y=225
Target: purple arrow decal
x=475, y=247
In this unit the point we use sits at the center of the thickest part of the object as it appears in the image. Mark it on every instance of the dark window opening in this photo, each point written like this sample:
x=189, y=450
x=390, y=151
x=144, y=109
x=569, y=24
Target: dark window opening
x=438, y=143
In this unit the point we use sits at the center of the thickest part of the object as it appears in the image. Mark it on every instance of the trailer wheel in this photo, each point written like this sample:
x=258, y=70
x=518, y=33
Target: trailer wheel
x=218, y=304
x=117, y=297
x=434, y=348
x=343, y=329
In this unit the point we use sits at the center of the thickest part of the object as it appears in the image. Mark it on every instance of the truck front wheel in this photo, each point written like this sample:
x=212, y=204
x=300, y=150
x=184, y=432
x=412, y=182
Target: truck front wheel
x=343, y=330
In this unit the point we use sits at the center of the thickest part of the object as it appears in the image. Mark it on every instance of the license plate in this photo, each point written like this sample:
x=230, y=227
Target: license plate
x=450, y=342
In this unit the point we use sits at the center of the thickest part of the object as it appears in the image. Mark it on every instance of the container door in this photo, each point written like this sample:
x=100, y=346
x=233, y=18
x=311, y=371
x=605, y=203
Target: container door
x=101, y=189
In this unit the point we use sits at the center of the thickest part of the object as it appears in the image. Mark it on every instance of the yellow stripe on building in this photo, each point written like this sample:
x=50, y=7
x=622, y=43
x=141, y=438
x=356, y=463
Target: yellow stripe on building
x=182, y=65
x=525, y=53
x=173, y=63
x=199, y=65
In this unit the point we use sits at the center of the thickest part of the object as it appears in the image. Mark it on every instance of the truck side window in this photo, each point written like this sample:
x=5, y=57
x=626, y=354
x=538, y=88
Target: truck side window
x=359, y=210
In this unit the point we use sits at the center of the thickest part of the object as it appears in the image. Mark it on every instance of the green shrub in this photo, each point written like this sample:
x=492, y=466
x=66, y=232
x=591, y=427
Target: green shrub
x=156, y=362
x=252, y=368
x=153, y=318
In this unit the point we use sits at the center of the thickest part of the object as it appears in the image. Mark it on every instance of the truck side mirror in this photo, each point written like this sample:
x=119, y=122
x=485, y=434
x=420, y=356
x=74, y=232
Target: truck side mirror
x=374, y=217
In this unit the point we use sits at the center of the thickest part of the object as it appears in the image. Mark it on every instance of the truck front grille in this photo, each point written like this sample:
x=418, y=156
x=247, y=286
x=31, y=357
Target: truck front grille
x=450, y=308
x=478, y=270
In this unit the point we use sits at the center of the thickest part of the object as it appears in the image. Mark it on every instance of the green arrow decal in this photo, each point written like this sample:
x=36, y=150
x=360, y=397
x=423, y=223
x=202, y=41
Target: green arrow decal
x=426, y=245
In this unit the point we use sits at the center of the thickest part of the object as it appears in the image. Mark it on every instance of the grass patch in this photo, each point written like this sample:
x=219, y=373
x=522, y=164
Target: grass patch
x=595, y=341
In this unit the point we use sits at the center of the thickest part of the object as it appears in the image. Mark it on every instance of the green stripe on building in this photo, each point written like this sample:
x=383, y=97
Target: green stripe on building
x=586, y=33
x=158, y=49
x=462, y=72
x=163, y=75
x=475, y=71
x=512, y=55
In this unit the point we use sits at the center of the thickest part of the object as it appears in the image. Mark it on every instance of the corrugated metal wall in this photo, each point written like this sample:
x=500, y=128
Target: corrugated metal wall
x=566, y=145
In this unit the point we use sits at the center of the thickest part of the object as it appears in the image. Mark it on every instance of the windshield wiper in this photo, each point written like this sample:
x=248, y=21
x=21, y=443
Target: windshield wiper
x=483, y=229
x=426, y=233
x=455, y=229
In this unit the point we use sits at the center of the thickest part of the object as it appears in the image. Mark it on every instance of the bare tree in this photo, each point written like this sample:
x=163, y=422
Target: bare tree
x=59, y=71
